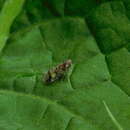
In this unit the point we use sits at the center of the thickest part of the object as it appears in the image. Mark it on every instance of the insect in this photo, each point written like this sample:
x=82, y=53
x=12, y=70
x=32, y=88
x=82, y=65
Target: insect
x=57, y=73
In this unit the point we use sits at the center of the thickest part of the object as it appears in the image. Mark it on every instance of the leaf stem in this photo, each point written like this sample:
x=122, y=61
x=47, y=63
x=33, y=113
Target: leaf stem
x=69, y=76
x=112, y=117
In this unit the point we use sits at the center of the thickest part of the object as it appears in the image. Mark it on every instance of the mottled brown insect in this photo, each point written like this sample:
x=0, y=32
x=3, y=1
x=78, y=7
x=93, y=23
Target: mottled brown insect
x=57, y=73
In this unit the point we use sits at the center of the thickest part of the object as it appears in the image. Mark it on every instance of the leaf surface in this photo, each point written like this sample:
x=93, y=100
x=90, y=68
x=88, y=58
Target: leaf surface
x=95, y=93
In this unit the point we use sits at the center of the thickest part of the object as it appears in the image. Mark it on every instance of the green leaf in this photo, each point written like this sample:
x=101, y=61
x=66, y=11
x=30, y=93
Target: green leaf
x=19, y=111
x=80, y=7
x=95, y=92
x=1, y=3
x=110, y=24
x=50, y=47
x=91, y=105
x=10, y=10
x=119, y=63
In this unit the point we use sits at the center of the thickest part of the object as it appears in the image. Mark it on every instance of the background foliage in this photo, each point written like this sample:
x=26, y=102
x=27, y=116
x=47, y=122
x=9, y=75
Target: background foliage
x=36, y=35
